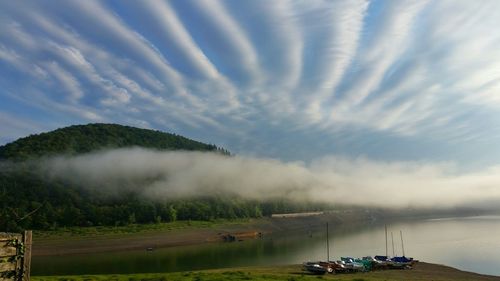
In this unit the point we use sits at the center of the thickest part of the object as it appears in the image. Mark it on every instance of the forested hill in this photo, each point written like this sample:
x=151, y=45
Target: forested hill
x=29, y=200
x=85, y=138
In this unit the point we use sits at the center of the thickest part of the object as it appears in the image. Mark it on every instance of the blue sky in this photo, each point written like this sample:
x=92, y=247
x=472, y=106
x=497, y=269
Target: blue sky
x=293, y=80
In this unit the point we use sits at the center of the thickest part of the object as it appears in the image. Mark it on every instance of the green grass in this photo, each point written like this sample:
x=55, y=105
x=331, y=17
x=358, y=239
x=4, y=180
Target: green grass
x=199, y=276
x=281, y=273
x=66, y=232
x=422, y=272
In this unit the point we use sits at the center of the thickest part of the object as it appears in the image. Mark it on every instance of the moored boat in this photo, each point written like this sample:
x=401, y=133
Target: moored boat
x=314, y=268
x=351, y=264
x=402, y=262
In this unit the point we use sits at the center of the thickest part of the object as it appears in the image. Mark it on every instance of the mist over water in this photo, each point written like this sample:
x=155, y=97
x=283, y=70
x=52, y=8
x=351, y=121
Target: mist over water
x=331, y=179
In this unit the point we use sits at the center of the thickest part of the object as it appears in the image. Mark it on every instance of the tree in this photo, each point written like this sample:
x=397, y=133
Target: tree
x=172, y=214
x=131, y=219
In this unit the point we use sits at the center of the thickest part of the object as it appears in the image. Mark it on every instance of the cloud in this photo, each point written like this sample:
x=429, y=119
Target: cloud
x=69, y=82
x=231, y=38
x=249, y=73
x=340, y=46
x=389, y=40
x=332, y=179
x=171, y=30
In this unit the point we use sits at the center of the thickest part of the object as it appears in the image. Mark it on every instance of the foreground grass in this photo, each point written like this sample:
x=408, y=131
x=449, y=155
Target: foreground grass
x=422, y=272
x=68, y=232
x=188, y=276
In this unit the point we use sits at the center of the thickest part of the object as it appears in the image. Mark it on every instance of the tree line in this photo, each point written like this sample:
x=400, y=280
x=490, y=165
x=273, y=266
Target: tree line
x=29, y=201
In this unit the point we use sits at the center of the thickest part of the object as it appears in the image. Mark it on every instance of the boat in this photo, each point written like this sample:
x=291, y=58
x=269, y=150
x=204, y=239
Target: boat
x=351, y=264
x=334, y=267
x=321, y=267
x=373, y=263
x=402, y=262
x=367, y=264
x=314, y=268
x=381, y=262
x=382, y=258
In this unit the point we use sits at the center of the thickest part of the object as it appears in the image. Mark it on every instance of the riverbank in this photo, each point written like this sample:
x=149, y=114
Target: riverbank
x=70, y=241
x=422, y=271
x=109, y=239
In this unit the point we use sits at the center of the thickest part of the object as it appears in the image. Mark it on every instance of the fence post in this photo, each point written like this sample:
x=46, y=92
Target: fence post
x=27, y=255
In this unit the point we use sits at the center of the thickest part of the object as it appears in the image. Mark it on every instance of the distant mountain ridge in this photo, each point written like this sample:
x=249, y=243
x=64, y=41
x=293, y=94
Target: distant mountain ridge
x=78, y=139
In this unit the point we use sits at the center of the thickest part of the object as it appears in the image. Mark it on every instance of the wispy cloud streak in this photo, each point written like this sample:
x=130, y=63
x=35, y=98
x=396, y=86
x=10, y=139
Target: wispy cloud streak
x=249, y=73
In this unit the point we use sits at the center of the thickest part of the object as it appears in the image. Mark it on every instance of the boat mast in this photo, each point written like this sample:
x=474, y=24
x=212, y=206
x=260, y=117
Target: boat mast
x=327, y=245
x=402, y=244
x=392, y=238
x=386, y=240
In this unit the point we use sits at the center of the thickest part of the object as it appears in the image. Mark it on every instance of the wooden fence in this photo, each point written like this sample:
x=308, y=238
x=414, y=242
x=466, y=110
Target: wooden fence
x=15, y=256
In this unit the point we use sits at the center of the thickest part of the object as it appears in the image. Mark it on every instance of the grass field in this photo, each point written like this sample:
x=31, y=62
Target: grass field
x=77, y=232
x=421, y=272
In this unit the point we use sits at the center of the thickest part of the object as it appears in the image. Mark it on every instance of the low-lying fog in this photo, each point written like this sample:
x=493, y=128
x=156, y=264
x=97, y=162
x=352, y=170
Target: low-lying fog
x=330, y=179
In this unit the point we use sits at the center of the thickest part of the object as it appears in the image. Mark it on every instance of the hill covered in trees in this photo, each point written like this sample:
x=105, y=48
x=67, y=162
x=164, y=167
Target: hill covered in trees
x=86, y=138
x=29, y=200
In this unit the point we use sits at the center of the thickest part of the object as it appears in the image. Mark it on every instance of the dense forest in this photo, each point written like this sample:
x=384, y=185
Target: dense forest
x=29, y=201
x=86, y=138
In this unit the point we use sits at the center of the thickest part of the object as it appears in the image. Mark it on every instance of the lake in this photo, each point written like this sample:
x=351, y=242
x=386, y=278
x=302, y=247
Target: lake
x=470, y=243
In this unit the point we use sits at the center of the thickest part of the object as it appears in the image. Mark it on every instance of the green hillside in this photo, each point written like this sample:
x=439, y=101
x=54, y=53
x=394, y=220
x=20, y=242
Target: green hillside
x=28, y=200
x=85, y=138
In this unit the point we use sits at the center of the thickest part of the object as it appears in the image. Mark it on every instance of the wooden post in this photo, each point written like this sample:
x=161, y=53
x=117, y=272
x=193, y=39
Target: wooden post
x=27, y=255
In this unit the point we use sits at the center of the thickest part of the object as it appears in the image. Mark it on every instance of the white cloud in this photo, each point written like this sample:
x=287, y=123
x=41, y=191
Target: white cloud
x=68, y=81
x=331, y=179
x=343, y=25
x=172, y=31
x=390, y=40
x=234, y=37
x=410, y=69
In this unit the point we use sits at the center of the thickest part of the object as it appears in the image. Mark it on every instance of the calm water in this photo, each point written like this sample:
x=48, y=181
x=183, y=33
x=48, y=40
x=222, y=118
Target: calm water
x=471, y=244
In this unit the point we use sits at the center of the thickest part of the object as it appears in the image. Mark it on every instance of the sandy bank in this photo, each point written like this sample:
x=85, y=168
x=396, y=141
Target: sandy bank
x=191, y=236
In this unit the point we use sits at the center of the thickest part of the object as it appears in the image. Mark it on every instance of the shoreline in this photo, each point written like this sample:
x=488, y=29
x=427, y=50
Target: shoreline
x=196, y=235
x=183, y=233
x=59, y=245
x=421, y=271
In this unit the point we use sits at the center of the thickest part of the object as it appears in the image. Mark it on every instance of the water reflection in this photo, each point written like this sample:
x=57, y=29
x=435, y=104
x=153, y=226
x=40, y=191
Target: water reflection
x=468, y=243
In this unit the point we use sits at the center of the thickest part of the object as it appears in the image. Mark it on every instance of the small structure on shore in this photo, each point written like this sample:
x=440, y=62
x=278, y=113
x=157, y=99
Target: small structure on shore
x=240, y=236
x=296, y=215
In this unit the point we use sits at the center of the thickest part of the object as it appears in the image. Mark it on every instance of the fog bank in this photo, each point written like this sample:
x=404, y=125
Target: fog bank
x=332, y=179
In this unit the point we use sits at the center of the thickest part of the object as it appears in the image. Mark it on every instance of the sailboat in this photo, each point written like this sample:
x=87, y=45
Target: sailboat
x=322, y=267
x=402, y=261
x=382, y=262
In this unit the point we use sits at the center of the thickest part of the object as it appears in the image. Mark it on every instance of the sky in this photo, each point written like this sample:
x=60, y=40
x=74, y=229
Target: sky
x=389, y=81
